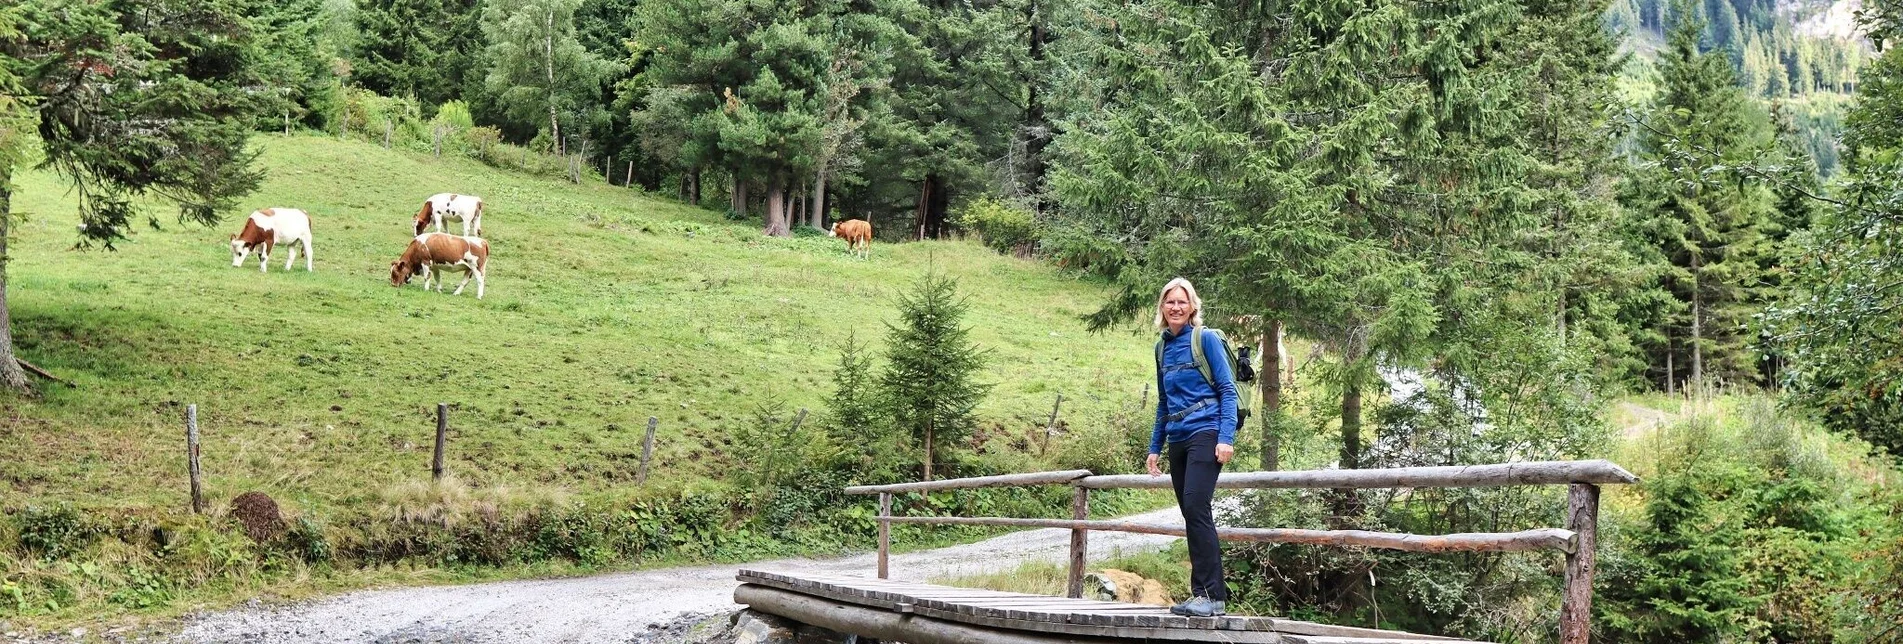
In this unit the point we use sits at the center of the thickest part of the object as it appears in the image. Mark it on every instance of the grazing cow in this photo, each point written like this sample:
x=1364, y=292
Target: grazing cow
x=858, y=235
x=433, y=253
x=451, y=207
x=270, y=227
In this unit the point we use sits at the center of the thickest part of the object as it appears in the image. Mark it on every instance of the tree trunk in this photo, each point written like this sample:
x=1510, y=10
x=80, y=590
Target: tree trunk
x=933, y=201
x=776, y=209
x=1671, y=371
x=1562, y=316
x=1351, y=423
x=918, y=212
x=1271, y=379
x=928, y=450
x=1037, y=127
x=548, y=50
x=11, y=376
x=693, y=186
x=819, y=199
x=739, y=195
x=1698, y=337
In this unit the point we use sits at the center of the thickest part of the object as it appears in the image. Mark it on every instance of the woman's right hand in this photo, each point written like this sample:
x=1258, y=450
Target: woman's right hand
x=1150, y=464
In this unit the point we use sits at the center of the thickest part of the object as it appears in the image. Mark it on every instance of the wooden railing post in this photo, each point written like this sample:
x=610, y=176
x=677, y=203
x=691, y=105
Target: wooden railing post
x=1582, y=517
x=191, y=457
x=1079, y=510
x=442, y=437
x=885, y=532
x=647, y=451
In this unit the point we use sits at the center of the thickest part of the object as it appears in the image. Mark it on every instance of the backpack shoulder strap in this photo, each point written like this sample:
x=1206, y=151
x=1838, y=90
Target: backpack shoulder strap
x=1202, y=359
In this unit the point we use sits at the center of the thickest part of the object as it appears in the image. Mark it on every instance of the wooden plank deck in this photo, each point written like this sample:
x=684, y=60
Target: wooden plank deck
x=1068, y=617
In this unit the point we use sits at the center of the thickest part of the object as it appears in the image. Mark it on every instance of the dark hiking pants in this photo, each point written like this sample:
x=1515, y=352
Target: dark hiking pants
x=1193, y=470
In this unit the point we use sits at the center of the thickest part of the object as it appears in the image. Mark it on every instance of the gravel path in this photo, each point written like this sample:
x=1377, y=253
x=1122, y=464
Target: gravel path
x=621, y=607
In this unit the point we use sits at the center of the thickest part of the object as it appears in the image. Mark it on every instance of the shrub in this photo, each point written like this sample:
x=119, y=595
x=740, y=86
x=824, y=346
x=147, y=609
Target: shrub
x=1005, y=227
x=307, y=541
x=54, y=533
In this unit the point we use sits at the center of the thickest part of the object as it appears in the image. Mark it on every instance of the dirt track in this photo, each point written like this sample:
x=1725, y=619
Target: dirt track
x=621, y=607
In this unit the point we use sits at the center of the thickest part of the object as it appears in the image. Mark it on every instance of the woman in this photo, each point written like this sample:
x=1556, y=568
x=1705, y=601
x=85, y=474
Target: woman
x=1198, y=418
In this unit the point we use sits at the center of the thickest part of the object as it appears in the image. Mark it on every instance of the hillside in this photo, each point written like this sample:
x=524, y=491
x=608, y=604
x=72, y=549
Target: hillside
x=604, y=307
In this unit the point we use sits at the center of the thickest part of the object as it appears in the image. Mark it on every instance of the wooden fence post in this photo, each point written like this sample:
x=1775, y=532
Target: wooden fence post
x=647, y=450
x=387, y=127
x=630, y=180
x=1079, y=541
x=885, y=533
x=1051, y=426
x=1582, y=517
x=442, y=437
x=191, y=457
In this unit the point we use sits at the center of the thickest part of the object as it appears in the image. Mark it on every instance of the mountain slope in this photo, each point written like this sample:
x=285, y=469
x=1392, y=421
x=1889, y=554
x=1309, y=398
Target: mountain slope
x=604, y=307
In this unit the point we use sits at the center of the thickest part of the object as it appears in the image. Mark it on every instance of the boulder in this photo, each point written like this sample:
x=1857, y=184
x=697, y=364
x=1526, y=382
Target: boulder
x=1111, y=584
x=753, y=627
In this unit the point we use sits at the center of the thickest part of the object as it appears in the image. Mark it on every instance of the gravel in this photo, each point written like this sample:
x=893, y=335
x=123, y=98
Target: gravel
x=648, y=606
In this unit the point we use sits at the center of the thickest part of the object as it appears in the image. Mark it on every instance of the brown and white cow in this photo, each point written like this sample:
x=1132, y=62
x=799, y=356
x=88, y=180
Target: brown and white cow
x=450, y=207
x=269, y=227
x=430, y=254
x=857, y=233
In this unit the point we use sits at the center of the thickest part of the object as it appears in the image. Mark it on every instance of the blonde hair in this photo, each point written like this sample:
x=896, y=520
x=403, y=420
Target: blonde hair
x=1195, y=302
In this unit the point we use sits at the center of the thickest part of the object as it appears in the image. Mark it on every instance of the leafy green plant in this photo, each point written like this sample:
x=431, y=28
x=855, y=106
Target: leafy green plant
x=54, y=532
x=1004, y=226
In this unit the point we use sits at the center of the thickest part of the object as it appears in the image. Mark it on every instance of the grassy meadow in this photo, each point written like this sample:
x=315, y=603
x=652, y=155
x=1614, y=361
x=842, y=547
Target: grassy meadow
x=604, y=307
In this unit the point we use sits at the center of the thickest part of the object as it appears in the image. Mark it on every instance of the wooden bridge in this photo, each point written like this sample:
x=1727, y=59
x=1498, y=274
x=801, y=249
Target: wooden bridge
x=876, y=607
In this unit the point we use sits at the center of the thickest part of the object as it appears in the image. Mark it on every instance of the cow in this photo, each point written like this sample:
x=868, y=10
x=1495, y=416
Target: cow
x=270, y=227
x=450, y=207
x=432, y=253
x=857, y=233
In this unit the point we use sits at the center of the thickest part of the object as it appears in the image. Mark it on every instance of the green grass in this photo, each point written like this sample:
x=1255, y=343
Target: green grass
x=604, y=307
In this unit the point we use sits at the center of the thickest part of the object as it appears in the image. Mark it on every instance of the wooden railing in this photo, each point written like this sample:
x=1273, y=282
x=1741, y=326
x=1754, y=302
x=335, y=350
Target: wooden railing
x=1579, y=539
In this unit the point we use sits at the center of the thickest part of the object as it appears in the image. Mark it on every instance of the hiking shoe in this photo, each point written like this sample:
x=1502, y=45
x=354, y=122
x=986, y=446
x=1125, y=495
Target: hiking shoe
x=1199, y=607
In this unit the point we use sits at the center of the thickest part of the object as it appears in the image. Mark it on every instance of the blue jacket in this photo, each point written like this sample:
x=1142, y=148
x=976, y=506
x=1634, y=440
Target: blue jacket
x=1180, y=385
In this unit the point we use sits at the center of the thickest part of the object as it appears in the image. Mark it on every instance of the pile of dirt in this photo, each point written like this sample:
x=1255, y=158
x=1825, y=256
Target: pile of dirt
x=259, y=516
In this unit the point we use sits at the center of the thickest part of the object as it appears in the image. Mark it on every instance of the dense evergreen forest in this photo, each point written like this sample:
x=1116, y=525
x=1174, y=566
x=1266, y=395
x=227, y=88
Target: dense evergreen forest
x=1529, y=206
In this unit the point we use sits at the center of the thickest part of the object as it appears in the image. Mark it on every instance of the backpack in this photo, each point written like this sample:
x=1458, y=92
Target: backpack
x=1238, y=365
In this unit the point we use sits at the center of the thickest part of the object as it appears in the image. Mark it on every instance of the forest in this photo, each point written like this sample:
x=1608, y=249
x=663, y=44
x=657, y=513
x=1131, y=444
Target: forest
x=1530, y=208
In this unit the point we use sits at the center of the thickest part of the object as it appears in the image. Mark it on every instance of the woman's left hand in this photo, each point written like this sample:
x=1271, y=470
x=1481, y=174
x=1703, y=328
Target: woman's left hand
x=1224, y=452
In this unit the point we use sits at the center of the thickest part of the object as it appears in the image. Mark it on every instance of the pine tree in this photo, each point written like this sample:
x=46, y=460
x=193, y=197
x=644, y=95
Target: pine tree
x=1311, y=167
x=421, y=48
x=1837, y=322
x=930, y=380
x=130, y=100
x=753, y=88
x=1704, y=224
x=1686, y=583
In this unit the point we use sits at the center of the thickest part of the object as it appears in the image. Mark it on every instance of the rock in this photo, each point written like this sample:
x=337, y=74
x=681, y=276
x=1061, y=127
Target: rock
x=752, y=627
x=78, y=633
x=810, y=634
x=1116, y=585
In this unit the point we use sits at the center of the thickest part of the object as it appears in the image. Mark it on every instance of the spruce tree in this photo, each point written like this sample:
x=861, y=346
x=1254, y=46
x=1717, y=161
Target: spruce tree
x=1701, y=222
x=130, y=100
x=421, y=48
x=930, y=382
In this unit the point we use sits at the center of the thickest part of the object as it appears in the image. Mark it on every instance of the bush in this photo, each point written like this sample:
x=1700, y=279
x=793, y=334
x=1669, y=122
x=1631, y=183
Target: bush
x=306, y=540
x=1004, y=226
x=54, y=533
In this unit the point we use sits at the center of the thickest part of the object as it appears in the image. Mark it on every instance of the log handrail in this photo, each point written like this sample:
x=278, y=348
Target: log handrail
x=1523, y=541
x=1578, y=540
x=1001, y=480
x=1597, y=472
